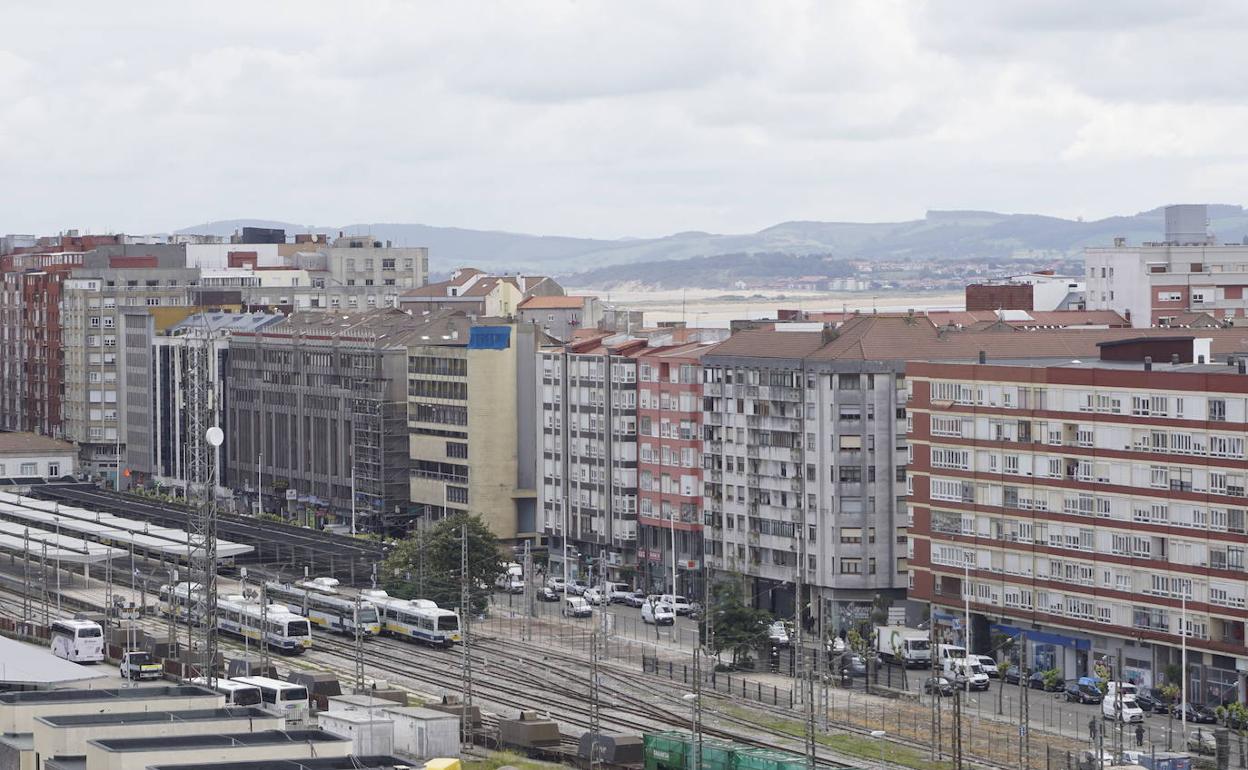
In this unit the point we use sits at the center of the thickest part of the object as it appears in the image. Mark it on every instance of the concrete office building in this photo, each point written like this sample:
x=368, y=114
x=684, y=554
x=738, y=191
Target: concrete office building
x=255, y=747
x=157, y=368
x=1096, y=505
x=359, y=260
x=91, y=307
x=472, y=424
x=1164, y=283
x=317, y=404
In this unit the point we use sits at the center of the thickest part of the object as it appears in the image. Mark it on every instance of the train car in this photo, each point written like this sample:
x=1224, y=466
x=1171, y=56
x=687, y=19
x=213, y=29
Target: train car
x=275, y=626
x=417, y=620
x=319, y=602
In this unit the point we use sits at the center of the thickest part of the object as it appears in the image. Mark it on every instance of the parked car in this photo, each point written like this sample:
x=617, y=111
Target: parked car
x=577, y=588
x=657, y=613
x=937, y=685
x=616, y=593
x=1147, y=703
x=1161, y=703
x=989, y=665
x=137, y=664
x=555, y=582
x=593, y=596
x=547, y=594
x=678, y=603
x=1083, y=692
x=778, y=633
x=1195, y=714
x=577, y=607
x=1036, y=682
x=1012, y=674
x=635, y=599
x=1201, y=741
x=855, y=665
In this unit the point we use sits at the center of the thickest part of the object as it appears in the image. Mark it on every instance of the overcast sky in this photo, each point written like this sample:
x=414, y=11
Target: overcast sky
x=613, y=118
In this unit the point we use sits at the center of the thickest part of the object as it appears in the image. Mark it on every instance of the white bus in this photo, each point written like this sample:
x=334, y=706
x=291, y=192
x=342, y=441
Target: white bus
x=326, y=608
x=236, y=693
x=280, y=698
x=416, y=619
x=81, y=641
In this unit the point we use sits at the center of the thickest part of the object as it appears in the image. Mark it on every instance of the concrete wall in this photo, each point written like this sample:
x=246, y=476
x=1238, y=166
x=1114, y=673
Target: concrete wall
x=66, y=462
x=71, y=741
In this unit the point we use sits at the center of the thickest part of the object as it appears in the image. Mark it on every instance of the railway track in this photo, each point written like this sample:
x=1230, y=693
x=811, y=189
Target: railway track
x=346, y=558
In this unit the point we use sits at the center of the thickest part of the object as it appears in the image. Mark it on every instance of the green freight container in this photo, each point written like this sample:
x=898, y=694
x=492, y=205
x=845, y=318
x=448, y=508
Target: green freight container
x=667, y=750
x=766, y=759
x=716, y=754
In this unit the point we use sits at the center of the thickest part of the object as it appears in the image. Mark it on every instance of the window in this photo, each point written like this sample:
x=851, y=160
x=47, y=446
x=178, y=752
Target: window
x=1217, y=409
x=387, y=264
x=54, y=469
x=850, y=474
x=848, y=382
x=29, y=469
x=153, y=301
x=958, y=459
x=1169, y=296
x=851, y=566
x=457, y=450
x=457, y=495
x=851, y=535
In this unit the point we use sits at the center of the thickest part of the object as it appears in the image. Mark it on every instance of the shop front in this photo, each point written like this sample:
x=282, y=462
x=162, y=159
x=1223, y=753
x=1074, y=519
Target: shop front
x=1046, y=650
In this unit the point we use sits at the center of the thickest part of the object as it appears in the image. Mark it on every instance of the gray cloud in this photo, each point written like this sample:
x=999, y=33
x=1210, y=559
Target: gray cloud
x=599, y=118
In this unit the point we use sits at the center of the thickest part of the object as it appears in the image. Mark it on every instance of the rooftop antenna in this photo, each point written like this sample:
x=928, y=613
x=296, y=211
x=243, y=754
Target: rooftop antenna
x=205, y=439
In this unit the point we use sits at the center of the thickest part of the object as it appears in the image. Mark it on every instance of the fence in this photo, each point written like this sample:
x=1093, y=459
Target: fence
x=725, y=684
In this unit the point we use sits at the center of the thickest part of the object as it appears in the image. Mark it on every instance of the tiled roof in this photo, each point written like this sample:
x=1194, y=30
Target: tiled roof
x=20, y=443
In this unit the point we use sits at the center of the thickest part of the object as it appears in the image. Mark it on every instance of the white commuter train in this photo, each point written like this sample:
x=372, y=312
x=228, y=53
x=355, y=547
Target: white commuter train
x=416, y=619
x=283, y=630
x=325, y=607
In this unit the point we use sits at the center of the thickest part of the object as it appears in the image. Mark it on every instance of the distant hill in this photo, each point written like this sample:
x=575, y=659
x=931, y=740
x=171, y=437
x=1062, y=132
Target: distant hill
x=939, y=235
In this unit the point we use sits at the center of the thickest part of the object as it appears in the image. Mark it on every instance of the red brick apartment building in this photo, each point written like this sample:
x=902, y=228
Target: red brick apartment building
x=1097, y=505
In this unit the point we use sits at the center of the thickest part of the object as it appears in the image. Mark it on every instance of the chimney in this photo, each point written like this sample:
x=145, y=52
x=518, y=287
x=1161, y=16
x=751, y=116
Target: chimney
x=1243, y=366
x=983, y=356
x=1174, y=359
x=1148, y=363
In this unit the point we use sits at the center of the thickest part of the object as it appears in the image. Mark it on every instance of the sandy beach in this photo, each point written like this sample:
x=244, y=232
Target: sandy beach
x=716, y=307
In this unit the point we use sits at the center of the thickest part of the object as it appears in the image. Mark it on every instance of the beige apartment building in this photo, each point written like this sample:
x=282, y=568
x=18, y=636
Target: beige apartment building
x=471, y=427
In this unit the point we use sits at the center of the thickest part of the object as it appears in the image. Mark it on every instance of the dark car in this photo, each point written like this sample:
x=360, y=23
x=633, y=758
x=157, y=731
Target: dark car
x=855, y=665
x=1161, y=704
x=937, y=685
x=1077, y=692
x=547, y=594
x=1147, y=703
x=1196, y=714
x=1036, y=682
x=1012, y=674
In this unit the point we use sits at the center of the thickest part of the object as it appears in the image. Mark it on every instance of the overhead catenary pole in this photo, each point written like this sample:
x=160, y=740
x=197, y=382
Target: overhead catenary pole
x=465, y=603
x=1183, y=666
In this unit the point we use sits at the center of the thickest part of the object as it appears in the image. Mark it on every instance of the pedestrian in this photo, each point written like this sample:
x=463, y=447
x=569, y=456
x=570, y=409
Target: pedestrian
x=1139, y=736
x=1092, y=728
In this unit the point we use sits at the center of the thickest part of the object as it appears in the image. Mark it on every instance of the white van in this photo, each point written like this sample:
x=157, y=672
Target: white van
x=657, y=613
x=678, y=603
x=947, y=651
x=966, y=672
x=576, y=607
x=1129, y=711
x=616, y=593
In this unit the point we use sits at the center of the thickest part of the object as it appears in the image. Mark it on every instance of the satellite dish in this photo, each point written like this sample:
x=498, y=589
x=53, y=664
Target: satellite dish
x=215, y=436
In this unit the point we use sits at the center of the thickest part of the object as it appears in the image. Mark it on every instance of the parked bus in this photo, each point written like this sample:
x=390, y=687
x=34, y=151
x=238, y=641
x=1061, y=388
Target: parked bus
x=236, y=693
x=81, y=641
x=281, y=698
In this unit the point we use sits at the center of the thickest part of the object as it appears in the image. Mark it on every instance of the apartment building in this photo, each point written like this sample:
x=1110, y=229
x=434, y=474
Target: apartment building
x=316, y=406
x=472, y=424
x=1096, y=505
x=588, y=402
x=360, y=260
x=92, y=304
x=561, y=316
x=474, y=292
x=1163, y=283
x=669, y=463
x=805, y=462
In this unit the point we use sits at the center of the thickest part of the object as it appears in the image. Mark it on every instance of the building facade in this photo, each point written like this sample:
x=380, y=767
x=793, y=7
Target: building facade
x=669, y=462
x=31, y=456
x=1098, y=507
x=805, y=456
x=561, y=316
x=588, y=402
x=472, y=425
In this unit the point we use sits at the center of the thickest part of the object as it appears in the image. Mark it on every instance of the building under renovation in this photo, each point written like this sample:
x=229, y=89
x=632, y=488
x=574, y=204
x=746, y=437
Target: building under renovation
x=317, y=410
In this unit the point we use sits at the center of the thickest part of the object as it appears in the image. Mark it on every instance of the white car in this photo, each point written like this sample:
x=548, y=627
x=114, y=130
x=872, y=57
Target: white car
x=576, y=607
x=555, y=583
x=594, y=596
x=778, y=633
x=988, y=665
x=678, y=603
x=1131, y=711
x=657, y=613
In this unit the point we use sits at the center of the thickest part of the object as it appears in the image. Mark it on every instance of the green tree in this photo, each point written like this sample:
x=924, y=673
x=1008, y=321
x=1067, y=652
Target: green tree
x=738, y=628
x=426, y=565
x=1235, y=716
x=1171, y=693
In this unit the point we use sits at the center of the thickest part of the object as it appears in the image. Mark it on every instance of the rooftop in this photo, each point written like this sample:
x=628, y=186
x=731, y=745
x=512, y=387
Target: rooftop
x=231, y=740
x=147, y=717
x=32, y=443
x=323, y=763
x=27, y=665
x=109, y=695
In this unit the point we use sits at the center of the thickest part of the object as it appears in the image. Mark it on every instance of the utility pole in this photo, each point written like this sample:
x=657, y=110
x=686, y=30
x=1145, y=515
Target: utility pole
x=359, y=647
x=936, y=696
x=1117, y=675
x=1023, y=715
x=595, y=695
x=264, y=623
x=465, y=603
x=26, y=580
x=957, y=728
x=530, y=596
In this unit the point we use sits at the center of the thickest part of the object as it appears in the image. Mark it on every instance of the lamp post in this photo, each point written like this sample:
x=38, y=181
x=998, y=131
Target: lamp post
x=966, y=598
